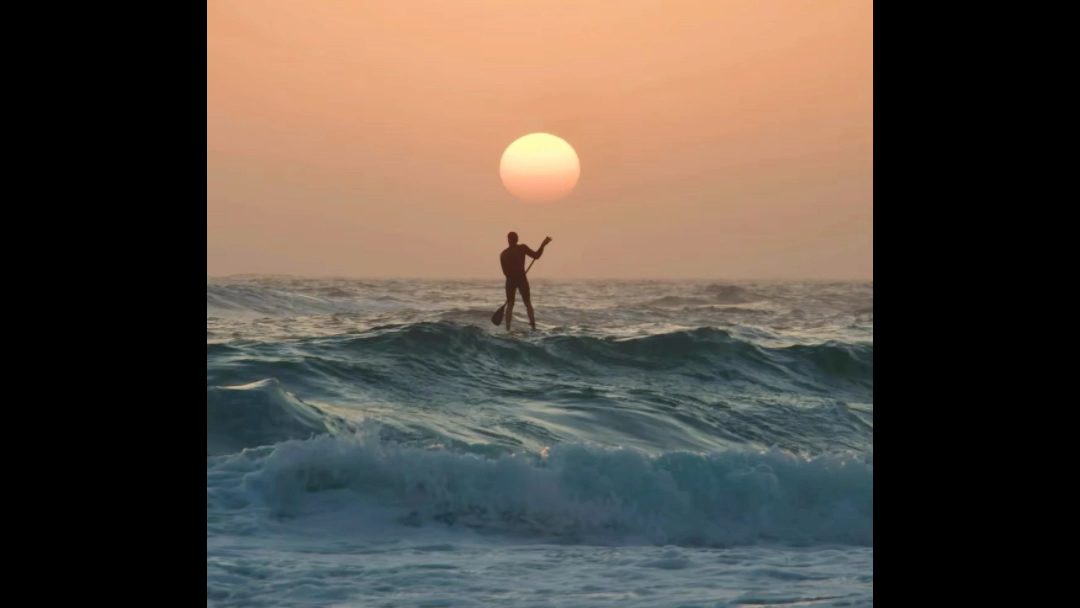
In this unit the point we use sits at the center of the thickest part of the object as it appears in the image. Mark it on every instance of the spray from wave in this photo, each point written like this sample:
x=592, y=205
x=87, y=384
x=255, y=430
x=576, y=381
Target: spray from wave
x=574, y=493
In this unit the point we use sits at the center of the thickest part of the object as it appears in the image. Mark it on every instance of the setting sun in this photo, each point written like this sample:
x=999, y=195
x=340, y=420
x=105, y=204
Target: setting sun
x=539, y=168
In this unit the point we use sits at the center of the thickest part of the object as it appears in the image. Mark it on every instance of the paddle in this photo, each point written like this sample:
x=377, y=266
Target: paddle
x=498, y=316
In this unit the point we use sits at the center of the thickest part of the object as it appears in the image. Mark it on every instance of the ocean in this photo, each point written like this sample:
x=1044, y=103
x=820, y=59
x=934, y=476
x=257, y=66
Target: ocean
x=654, y=443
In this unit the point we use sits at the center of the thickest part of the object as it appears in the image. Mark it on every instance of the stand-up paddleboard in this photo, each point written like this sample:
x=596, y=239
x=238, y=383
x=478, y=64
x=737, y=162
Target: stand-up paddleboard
x=497, y=319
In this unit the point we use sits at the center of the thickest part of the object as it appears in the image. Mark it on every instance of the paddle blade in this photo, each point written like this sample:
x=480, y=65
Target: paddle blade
x=498, y=316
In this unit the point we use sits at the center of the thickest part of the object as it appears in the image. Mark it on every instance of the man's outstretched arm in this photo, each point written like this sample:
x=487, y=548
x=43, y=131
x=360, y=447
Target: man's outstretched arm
x=539, y=252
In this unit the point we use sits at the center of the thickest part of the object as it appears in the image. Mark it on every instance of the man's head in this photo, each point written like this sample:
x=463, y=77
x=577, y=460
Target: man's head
x=512, y=238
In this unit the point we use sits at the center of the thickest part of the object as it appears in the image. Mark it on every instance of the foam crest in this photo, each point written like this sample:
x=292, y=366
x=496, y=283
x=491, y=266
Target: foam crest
x=581, y=494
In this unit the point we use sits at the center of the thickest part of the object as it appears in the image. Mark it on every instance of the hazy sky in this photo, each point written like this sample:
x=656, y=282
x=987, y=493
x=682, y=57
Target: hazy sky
x=717, y=139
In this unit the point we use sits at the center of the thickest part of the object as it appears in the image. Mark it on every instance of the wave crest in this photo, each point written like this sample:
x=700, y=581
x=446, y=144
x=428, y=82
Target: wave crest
x=259, y=414
x=718, y=349
x=580, y=494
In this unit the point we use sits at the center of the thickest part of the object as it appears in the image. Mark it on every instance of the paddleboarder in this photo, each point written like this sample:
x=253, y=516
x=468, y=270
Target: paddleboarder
x=513, y=267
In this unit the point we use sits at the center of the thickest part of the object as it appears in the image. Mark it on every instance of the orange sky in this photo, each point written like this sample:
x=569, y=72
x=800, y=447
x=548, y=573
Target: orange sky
x=719, y=139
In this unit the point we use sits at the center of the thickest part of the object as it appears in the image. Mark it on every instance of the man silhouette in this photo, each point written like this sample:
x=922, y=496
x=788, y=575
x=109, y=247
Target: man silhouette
x=513, y=266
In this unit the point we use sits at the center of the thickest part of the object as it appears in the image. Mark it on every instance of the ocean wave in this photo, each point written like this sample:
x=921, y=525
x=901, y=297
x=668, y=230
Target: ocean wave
x=260, y=300
x=260, y=414
x=644, y=416
x=717, y=348
x=253, y=299
x=394, y=357
x=569, y=494
x=729, y=294
x=674, y=301
x=708, y=295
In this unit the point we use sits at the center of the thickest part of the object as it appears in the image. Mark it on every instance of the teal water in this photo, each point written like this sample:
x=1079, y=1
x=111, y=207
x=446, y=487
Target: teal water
x=654, y=444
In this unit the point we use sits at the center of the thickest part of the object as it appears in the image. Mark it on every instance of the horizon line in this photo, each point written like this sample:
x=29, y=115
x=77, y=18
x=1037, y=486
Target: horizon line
x=564, y=278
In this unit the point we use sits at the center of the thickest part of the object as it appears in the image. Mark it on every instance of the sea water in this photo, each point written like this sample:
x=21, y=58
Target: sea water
x=381, y=443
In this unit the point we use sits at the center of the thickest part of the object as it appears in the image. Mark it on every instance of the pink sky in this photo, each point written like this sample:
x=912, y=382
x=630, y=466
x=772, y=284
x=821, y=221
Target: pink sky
x=716, y=139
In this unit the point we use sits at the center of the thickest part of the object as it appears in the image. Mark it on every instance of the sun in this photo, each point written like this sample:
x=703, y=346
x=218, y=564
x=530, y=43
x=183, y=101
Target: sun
x=539, y=168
